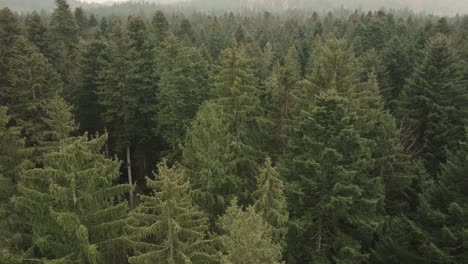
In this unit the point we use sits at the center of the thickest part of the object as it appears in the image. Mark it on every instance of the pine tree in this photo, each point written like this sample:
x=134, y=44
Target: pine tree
x=32, y=83
x=235, y=90
x=271, y=200
x=13, y=160
x=59, y=124
x=247, y=237
x=283, y=88
x=88, y=110
x=126, y=91
x=185, y=32
x=37, y=33
x=433, y=105
x=182, y=89
x=443, y=210
x=160, y=27
x=9, y=33
x=167, y=227
x=215, y=39
x=335, y=205
x=64, y=39
x=207, y=156
x=76, y=212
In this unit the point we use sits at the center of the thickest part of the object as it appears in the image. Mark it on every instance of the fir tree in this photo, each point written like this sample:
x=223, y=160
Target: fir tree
x=235, y=90
x=13, y=160
x=335, y=205
x=88, y=109
x=433, y=105
x=37, y=33
x=76, y=212
x=9, y=33
x=32, y=83
x=182, y=89
x=271, y=201
x=207, y=156
x=64, y=39
x=160, y=27
x=167, y=227
x=247, y=237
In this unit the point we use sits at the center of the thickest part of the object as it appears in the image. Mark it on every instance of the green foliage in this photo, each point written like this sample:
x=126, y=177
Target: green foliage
x=433, y=105
x=271, y=202
x=183, y=86
x=167, y=227
x=32, y=83
x=327, y=170
x=13, y=160
x=75, y=211
x=207, y=154
x=247, y=237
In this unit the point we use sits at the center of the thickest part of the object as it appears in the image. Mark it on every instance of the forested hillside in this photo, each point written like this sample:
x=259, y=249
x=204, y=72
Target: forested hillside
x=176, y=136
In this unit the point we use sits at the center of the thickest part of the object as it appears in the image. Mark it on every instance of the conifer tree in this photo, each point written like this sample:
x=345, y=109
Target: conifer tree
x=13, y=160
x=32, y=83
x=207, y=156
x=443, y=210
x=167, y=227
x=235, y=90
x=88, y=110
x=183, y=84
x=247, y=237
x=9, y=32
x=126, y=91
x=64, y=39
x=271, y=200
x=283, y=88
x=37, y=33
x=160, y=27
x=433, y=106
x=335, y=205
x=76, y=212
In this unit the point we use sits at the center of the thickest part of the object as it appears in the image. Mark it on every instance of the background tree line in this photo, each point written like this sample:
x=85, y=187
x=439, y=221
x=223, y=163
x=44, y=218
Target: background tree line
x=185, y=137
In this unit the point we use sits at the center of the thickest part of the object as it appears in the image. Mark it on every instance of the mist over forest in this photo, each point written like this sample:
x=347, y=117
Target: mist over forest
x=233, y=132
x=439, y=7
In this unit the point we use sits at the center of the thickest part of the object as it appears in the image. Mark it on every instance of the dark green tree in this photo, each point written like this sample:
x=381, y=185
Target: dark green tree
x=13, y=160
x=32, y=83
x=271, y=201
x=183, y=86
x=64, y=40
x=433, y=105
x=335, y=204
x=160, y=27
x=167, y=227
x=207, y=156
x=76, y=212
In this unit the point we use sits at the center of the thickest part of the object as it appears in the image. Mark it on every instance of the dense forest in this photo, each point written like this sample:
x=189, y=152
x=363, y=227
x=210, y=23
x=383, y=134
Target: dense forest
x=181, y=136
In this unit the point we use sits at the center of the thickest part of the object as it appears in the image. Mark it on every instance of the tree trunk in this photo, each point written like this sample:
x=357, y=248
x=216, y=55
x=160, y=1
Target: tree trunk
x=130, y=180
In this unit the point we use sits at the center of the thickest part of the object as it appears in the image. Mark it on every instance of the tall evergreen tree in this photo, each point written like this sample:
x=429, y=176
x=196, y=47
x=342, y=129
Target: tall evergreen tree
x=207, y=156
x=9, y=33
x=247, y=237
x=160, y=27
x=335, y=205
x=32, y=83
x=167, y=227
x=183, y=86
x=76, y=212
x=433, y=105
x=271, y=200
x=64, y=39
x=13, y=160
x=88, y=110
